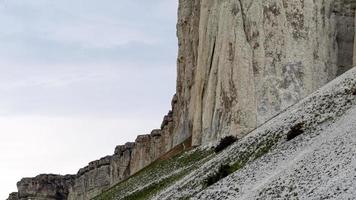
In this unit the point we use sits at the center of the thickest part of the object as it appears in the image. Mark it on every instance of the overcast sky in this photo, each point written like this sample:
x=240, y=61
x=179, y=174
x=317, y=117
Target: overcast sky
x=77, y=78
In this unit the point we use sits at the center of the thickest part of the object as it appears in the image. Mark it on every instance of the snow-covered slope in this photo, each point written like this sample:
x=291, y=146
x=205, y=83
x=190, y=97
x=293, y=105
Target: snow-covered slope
x=307, y=152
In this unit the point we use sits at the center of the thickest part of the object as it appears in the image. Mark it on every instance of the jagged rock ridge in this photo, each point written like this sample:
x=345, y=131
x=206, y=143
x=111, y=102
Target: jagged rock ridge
x=240, y=63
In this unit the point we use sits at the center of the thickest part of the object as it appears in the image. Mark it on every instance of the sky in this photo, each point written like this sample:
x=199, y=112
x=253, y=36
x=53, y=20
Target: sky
x=77, y=78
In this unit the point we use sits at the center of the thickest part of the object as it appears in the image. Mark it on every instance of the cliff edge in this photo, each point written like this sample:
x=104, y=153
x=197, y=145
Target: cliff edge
x=240, y=64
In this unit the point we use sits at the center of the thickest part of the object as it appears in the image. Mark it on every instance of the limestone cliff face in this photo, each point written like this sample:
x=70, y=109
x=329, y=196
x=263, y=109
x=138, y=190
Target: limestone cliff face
x=103, y=173
x=46, y=186
x=127, y=160
x=241, y=62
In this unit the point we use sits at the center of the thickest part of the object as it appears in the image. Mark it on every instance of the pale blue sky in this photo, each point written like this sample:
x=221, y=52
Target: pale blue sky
x=79, y=77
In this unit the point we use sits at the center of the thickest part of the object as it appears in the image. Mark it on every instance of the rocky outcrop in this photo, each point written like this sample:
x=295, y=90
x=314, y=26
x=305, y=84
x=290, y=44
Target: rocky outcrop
x=13, y=196
x=101, y=174
x=92, y=179
x=127, y=160
x=45, y=186
x=241, y=62
x=276, y=162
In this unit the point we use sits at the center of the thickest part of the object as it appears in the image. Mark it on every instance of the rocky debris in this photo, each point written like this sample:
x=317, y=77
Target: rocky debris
x=45, y=186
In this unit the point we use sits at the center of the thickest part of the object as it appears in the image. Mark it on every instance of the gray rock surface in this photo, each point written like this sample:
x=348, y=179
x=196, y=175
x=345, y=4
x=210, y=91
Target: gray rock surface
x=127, y=160
x=240, y=63
x=45, y=186
x=102, y=174
x=319, y=163
x=13, y=196
x=354, y=58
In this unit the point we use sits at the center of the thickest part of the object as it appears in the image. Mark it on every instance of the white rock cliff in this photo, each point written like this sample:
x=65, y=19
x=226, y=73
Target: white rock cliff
x=240, y=63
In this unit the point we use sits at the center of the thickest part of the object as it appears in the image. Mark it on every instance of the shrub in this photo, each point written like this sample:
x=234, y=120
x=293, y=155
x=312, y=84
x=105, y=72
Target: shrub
x=224, y=171
x=224, y=143
x=354, y=93
x=295, y=131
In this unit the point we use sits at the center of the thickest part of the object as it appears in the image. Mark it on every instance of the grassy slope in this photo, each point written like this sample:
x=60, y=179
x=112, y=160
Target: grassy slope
x=157, y=176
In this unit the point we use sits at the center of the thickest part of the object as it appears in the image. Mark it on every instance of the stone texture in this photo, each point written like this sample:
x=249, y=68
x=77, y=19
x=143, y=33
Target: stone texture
x=45, y=186
x=92, y=179
x=120, y=163
x=354, y=57
x=240, y=62
x=345, y=35
x=320, y=163
x=243, y=62
x=101, y=174
x=13, y=196
x=127, y=160
x=188, y=40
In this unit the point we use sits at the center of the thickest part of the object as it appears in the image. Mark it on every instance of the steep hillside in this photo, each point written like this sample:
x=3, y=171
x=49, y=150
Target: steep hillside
x=307, y=152
x=240, y=63
x=157, y=176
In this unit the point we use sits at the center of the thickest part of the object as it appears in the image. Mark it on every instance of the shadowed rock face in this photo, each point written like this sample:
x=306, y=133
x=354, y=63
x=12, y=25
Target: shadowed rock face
x=13, y=196
x=46, y=186
x=240, y=62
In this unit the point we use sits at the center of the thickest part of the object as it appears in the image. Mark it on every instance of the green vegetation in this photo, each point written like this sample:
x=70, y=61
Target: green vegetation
x=157, y=176
x=154, y=188
x=163, y=173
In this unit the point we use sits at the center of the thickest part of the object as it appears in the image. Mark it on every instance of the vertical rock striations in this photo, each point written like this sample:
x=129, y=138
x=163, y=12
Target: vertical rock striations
x=252, y=59
x=345, y=27
x=240, y=62
x=188, y=40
